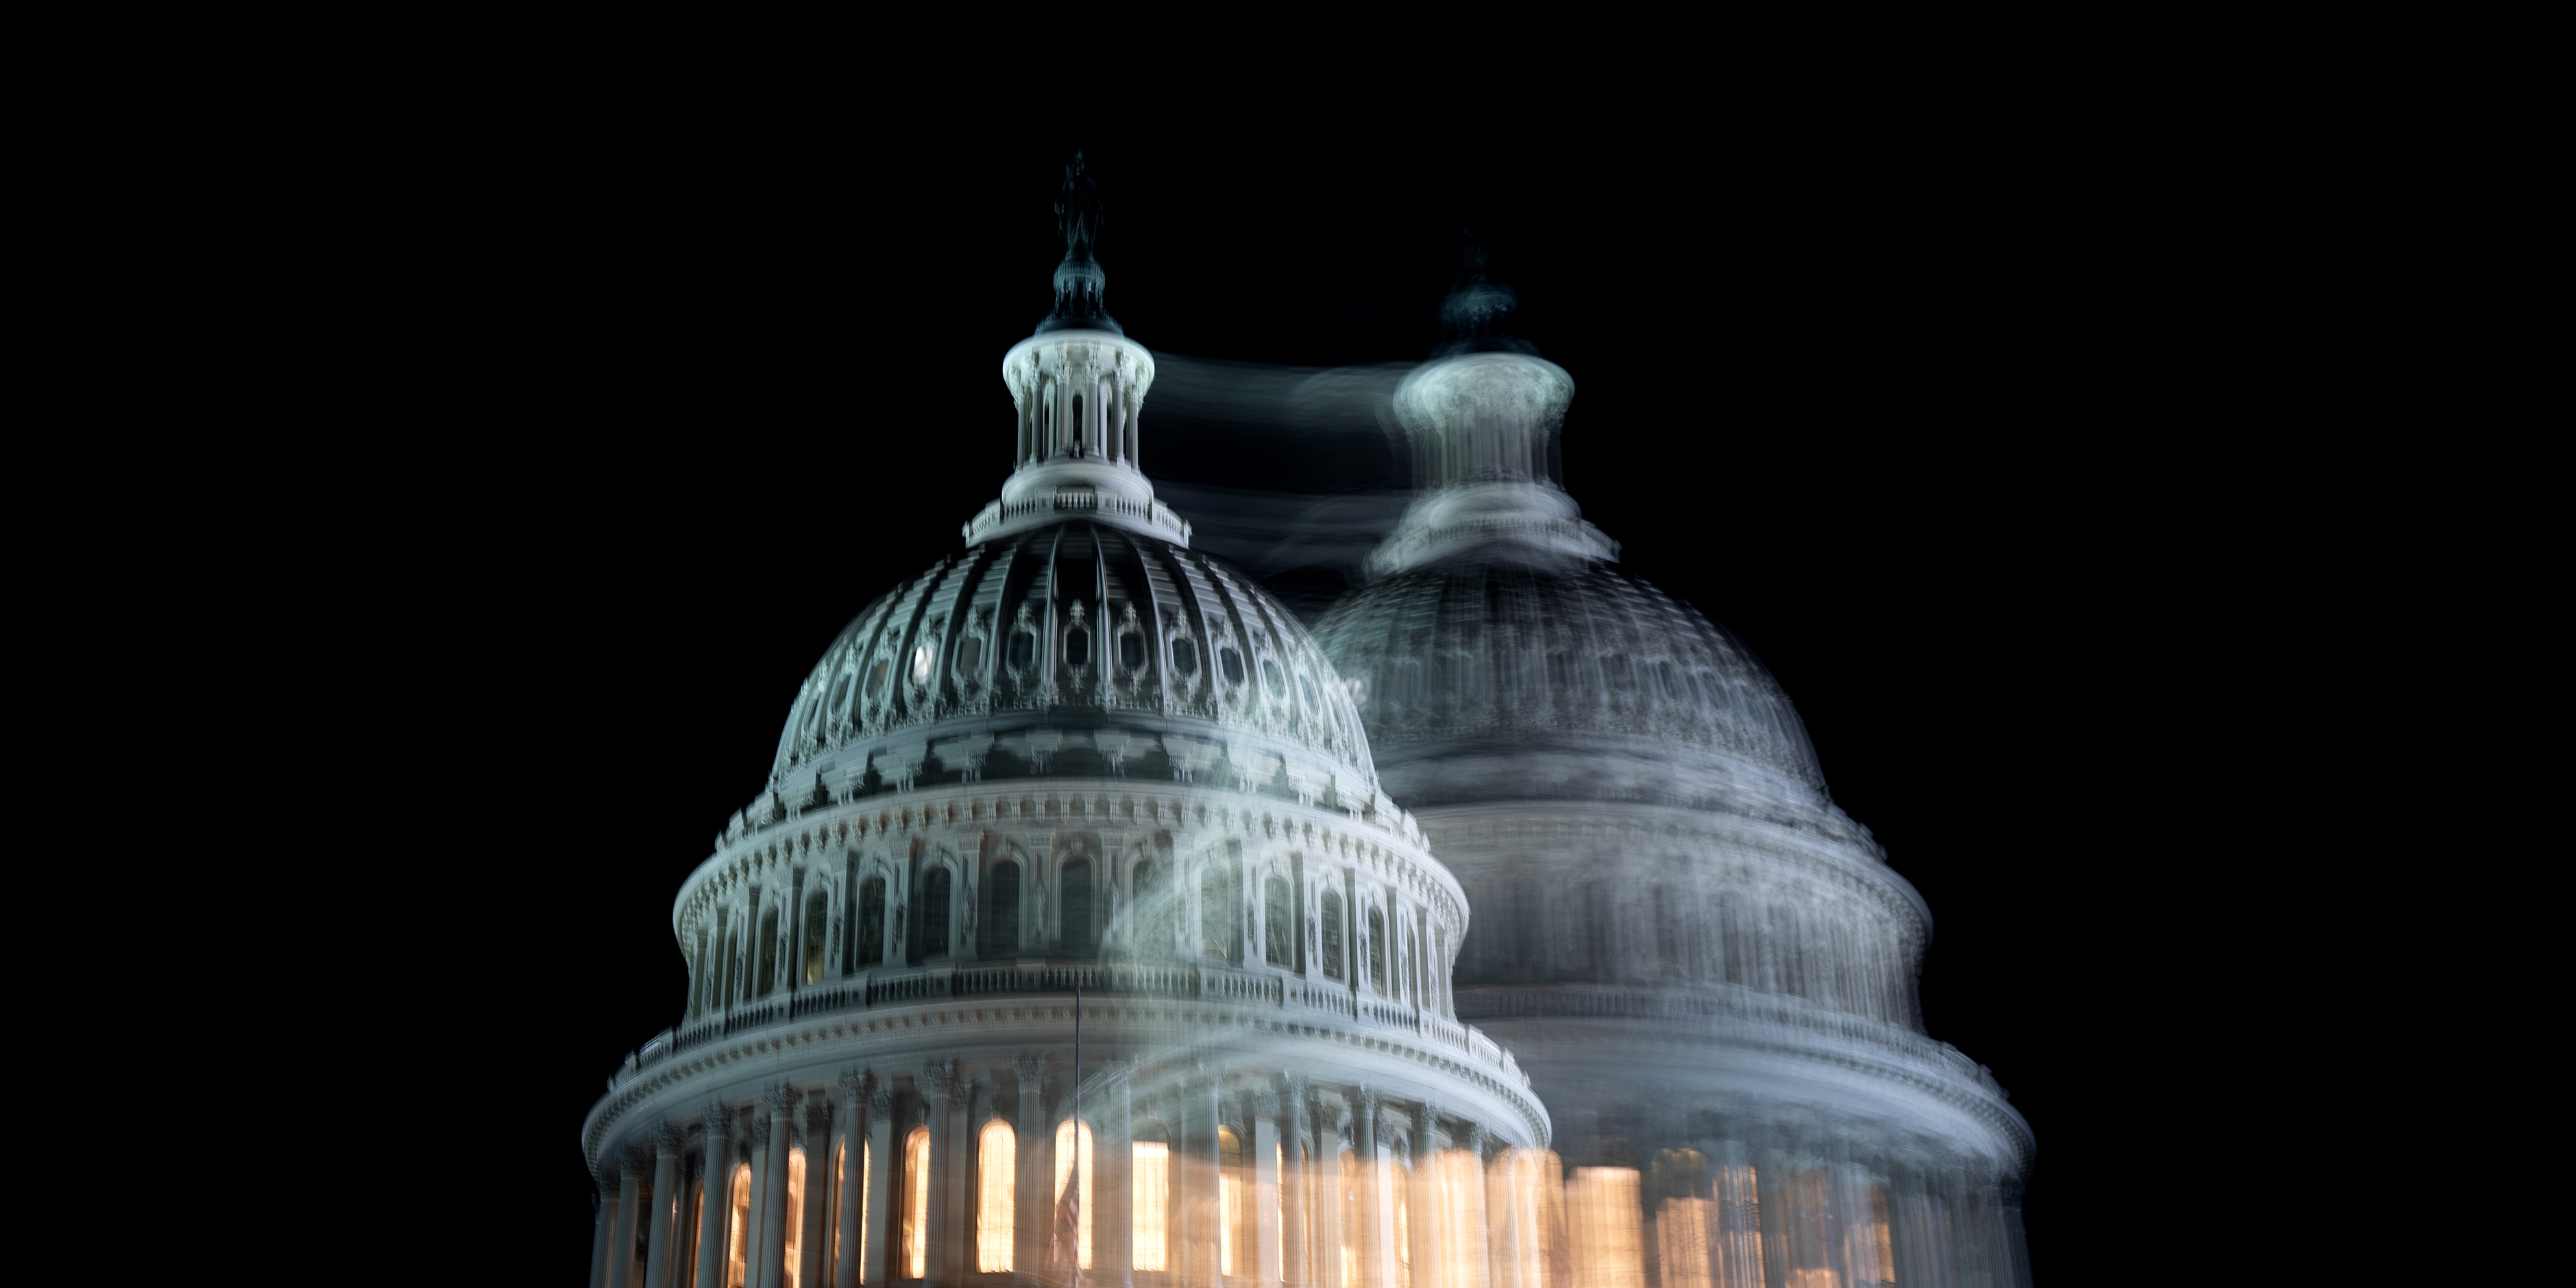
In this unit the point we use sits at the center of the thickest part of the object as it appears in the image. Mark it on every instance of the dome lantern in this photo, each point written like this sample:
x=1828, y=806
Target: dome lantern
x=1480, y=418
x=1077, y=385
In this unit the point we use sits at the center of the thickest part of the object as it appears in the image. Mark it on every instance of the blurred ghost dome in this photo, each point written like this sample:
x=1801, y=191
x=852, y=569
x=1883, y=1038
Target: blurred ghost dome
x=1466, y=671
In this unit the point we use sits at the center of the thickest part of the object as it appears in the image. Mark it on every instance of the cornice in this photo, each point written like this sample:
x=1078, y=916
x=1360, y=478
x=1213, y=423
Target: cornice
x=762, y=1055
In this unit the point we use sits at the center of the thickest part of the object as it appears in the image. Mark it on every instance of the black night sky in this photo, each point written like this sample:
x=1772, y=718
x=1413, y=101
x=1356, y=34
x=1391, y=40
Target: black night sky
x=1869, y=408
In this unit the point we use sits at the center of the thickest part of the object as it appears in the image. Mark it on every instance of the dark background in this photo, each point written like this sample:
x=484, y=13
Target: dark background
x=1884, y=407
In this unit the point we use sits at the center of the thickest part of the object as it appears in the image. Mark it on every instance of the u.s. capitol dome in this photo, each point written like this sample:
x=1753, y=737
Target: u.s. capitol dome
x=1071, y=930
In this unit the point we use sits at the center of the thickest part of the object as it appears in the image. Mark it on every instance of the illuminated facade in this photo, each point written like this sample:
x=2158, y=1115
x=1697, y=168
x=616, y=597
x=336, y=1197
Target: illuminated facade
x=1078, y=755
x=1707, y=967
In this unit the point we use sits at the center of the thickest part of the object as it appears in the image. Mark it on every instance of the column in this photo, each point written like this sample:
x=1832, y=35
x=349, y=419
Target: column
x=813, y=1232
x=1296, y=1234
x=1426, y=1217
x=715, y=1195
x=1326, y=1268
x=1033, y=1194
x=1113, y=1178
x=778, y=1105
x=875, y=1230
x=1375, y=1220
x=603, y=1216
x=938, y=1086
x=853, y=1175
x=621, y=1239
x=1477, y=1239
x=1206, y=1206
x=666, y=1188
x=1267, y=1148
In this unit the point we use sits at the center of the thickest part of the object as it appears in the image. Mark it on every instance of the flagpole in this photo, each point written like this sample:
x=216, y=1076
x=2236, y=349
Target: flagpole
x=1079, y=1215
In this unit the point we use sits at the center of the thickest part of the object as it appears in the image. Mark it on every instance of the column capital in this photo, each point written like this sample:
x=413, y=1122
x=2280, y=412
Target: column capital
x=1030, y=1065
x=667, y=1136
x=718, y=1117
x=859, y=1084
x=1367, y=1100
x=780, y=1099
x=759, y=1133
x=1296, y=1083
x=634, y=1154
x=880, y=1100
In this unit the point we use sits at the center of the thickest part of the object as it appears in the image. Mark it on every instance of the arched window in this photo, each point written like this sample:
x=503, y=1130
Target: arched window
x=832, y=1208
x=732, y=952
x=1154, y=907
x=1217, y=913
x=1232, y=1249
x=1001, y=927
x=1067, y=1147
x=997, y=1170
x=915, y=1242
x=1332, y=935
x=934, y=912
x=1277, y=923
x=818, y=920
x=872, y=921
x=1377, y=949
x=738, y=1229
x=1073, y=905
x=766, y=978
x=1151, y=1196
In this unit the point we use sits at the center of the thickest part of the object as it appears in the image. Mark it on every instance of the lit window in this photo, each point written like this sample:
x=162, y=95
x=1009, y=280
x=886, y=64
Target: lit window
x=1401, y=1179
x=1738, y=1254
x=1067, y=1147
x=1352, y=1215
x=1230, y=1204
x=1152, y=1196
x=1456, y=1185
x=916, y=1204
x=996, y=1162
x=1604, y=1227
x=738, y=1229
x=795, y=1216
x=922, y=657
x=832, y=1209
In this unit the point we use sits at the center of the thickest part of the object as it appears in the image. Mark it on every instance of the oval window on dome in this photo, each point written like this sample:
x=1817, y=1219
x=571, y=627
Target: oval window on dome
x=1185, y=657
x=922, y=657
x=1024, y=650
x=970, y=655
x=840, y=690
x=1131, y=651
x=1278, y=683
x=877, y=674
x=1306, y=689
x=1230, y=662
x=1077, y=648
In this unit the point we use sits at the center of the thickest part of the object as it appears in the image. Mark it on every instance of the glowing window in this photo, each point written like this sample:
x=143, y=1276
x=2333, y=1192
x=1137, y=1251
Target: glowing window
x=738, y=1229
x=1352, y=1214
x=1230, y=1204
x=1152, y=1197
x=1604, y=1228
x=1459, y=1179
x=996, y=1164
x=916, y=1204
x=1402, y=1182
x=922, y=658
x=832, y=1209
x=795, y=1216
x=1067, y=1147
